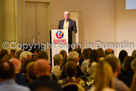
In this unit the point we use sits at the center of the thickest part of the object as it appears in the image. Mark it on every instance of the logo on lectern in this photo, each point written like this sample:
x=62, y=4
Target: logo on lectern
x=59, y=34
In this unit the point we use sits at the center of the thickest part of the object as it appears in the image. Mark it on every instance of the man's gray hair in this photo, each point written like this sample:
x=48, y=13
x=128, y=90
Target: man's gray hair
x=73, y=55
x=58, y=58
x=24, y=55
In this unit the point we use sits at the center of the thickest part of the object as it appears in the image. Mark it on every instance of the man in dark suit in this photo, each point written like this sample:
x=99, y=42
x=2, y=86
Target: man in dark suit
x=69, y=24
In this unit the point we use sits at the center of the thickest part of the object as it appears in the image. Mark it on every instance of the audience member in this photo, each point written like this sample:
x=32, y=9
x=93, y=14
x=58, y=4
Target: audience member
x=13, y=53
x=127, y=73
x=18, y=52
x=70, y=71
x=42, y=55
x=86, y=56
x=64, y=54
x=24, y=57
x=122, y=55
x=30, y=72
x=133, y=65
x=109, y=51
x=115, y=64
x=19, y=78
x=101, y=54
x=7, y=76
x=73, y=56
x=42, y=70
x=35, y=54
x=103, y=80
x=134, y=53
x=57, y=68
x=78, y=50
x=92, y=63
x=6, y=57
x=3, y=52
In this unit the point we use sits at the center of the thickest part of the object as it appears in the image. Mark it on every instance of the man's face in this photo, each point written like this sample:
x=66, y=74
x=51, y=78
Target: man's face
x=66, y=15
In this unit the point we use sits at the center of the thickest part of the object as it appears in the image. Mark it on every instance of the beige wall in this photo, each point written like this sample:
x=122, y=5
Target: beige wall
x=97, y=17
x=8, y=20
x=126, y=24
x=0, y=23
x=103, y=20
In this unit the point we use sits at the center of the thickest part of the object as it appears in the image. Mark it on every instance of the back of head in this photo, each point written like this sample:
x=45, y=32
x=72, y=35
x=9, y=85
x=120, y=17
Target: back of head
x=73, y=55
x=25, y=55
x=70, y=69
x=42, y=67
x=42, y=55
x=18, y=52
x=30, y=70
x=6, y=57
x=103, y=76
x=113, y=61
x=134, y=53
x=12, y=52
x=58, y=59
x=78, y=51
x=6, y=70
x=17, y=64
x=64, y=54
x=122, y=55
x=3, y=52
x=109, y=51
x=127, y=63
x=86, y=53
x=94, y=56
x=100, y=52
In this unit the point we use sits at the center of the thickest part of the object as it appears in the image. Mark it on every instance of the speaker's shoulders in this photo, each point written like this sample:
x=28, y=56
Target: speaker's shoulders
x=71, y=20
x=61, y=20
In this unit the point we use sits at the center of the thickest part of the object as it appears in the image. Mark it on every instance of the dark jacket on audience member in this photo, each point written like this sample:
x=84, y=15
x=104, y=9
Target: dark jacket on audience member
x=21, y=79
x=79, y=73
x=44, y=83
x=126, y=77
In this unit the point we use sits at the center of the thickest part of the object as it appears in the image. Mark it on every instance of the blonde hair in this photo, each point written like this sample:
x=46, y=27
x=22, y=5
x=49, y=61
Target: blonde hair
x=133, y=85
x=133, y=64
x=103, y=76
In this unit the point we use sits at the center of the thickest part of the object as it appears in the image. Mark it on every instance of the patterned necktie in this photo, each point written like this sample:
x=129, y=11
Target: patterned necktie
x=65, y=25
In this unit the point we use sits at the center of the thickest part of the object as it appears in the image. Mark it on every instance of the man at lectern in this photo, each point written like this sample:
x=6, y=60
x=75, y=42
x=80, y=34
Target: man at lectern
x=67, y=23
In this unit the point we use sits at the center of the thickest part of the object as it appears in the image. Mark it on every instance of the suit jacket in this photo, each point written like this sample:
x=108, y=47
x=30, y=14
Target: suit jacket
x=71, y=27
x=44, y=83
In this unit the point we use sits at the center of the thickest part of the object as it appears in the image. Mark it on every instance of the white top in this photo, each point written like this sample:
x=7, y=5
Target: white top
x=57, y=71
x=91, y=69
x=84, y=66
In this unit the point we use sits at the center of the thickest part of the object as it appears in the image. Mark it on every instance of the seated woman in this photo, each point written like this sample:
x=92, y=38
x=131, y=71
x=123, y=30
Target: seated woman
x=103, y=78
x=57, y=68
x=71, y=70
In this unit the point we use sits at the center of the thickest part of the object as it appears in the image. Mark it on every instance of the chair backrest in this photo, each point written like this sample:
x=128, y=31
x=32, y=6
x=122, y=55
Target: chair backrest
x=70, y=87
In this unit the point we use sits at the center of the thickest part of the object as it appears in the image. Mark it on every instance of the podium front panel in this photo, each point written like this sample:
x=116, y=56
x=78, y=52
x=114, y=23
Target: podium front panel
x=59, y=41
